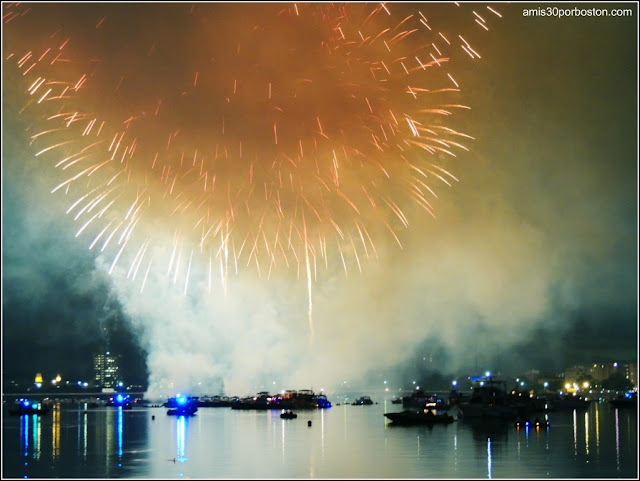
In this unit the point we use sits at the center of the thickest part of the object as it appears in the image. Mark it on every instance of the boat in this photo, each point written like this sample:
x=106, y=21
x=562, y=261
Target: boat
x=420, y=400
x=362, y=401
x=629, y=400
x=396, y=401
x=214, y=402
x=261, y=401
x=121, y=400
x=489, y=400
x=423, y=416
x=302, y=399
x=25, y=407
x=417, y=400
x=182, y=411
x=560, y=403
x=290, y=399
x=182, y=406
x=288, y=415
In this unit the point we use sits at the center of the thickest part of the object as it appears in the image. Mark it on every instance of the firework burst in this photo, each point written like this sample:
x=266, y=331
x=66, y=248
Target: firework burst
x=213, y=137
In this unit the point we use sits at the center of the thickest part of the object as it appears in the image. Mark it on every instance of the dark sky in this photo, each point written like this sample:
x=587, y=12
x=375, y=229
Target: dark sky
x=532, y=260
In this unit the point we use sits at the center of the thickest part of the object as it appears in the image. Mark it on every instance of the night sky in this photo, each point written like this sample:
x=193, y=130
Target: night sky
x=531, y=260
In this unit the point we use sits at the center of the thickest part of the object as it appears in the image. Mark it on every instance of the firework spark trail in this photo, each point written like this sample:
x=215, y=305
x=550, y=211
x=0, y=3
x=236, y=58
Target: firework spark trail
x=273, y=132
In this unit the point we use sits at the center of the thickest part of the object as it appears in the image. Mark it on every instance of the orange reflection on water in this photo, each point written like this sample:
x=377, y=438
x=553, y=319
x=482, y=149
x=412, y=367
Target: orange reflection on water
x=598, y=431
x=586, y=432
x=55, y=431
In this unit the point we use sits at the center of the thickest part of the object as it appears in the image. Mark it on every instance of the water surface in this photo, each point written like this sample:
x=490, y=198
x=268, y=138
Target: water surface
x=342, y=442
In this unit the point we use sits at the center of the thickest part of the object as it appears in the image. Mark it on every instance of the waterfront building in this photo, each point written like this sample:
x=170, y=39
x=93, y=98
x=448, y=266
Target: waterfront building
x=106, y=370
x=600, y=372
x=573, y=373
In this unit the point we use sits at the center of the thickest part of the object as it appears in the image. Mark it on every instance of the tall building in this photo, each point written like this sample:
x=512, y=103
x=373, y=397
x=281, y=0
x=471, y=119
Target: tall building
x=106, y=370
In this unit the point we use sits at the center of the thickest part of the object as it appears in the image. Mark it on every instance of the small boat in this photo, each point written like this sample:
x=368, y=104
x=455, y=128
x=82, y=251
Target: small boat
x=288, y=415
x=25, y=407
x=182, y=406
x=123, y=401
x=184, y=411
x=362, y=401
x=425, y=416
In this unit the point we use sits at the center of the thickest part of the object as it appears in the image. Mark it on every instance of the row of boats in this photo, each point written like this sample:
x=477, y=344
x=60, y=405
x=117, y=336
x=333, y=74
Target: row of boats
x=286, y=401
x=489, y=399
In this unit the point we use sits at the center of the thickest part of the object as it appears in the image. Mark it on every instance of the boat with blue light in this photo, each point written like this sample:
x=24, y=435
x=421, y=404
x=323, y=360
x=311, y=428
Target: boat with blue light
x=182, y=406
x=24, y=407
x=121, y=401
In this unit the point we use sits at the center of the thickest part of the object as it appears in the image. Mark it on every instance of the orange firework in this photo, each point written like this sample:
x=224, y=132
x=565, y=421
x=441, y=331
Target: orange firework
x=261, y=135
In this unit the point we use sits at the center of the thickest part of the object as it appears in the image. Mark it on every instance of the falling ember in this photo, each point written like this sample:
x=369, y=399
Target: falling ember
x=306, y=256
x=175, y=138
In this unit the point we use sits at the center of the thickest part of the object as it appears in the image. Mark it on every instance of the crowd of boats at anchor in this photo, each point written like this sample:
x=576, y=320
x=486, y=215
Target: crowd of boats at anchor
x=488, y=399
x=287, y=401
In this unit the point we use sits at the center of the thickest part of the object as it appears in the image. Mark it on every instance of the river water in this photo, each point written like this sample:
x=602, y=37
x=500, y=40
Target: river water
x=342, y=442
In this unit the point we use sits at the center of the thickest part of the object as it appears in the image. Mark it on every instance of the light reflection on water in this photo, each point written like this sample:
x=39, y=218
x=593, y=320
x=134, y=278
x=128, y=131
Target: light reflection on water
x=489, y=458
x=344, y=441
x=55, y=431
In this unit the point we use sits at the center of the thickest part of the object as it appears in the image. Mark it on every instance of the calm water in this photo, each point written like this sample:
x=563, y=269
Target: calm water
x=343, y=442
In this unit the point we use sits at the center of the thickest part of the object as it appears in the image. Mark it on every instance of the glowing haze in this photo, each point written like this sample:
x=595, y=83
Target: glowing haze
x=261, y=182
